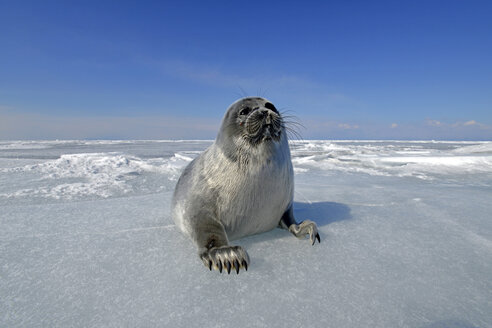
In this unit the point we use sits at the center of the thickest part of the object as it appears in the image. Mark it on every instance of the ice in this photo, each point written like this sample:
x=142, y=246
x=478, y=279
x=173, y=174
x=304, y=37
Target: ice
x=102, y=174
x=443, y=160
x=86, y=239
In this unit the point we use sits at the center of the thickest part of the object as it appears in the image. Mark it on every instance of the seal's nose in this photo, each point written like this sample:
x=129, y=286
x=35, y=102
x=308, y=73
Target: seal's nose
x=264, y=114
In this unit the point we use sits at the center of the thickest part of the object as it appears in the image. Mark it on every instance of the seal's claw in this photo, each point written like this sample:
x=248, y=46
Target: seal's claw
x=225, y=258
x=236, y=265
x=307, y=227
x=245, y=265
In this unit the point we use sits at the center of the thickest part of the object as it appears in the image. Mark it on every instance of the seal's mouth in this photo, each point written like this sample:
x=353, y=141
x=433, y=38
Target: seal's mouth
x=270, y=133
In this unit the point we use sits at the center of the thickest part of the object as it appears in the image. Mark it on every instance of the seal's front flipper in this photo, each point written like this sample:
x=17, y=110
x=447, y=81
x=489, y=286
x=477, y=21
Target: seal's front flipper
x=214, y=249
x=302, y=229
x=225, y=257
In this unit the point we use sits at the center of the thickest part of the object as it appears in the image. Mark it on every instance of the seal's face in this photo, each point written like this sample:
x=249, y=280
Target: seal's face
x=254, y=119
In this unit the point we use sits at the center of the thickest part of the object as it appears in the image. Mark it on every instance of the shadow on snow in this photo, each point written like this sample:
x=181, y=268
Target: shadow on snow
x=323, y=213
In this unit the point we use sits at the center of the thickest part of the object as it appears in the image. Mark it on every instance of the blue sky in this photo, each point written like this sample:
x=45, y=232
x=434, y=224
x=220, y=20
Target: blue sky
x=147, y=70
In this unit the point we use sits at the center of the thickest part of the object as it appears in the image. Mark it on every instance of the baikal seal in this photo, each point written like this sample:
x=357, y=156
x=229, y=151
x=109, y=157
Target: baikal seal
x=243, y=184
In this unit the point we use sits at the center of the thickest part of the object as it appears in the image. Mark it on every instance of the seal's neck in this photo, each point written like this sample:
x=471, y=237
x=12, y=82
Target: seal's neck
x=243, y=153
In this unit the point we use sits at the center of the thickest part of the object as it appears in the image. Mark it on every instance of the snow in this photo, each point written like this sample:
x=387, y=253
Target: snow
x=86, y=239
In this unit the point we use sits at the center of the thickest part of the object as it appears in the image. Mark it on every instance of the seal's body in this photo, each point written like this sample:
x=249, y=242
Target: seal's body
x=241, y=185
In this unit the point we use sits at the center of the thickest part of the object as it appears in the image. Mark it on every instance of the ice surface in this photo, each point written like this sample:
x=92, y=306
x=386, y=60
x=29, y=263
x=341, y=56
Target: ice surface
x=417, y=159
x=100, y=174
x=86, y=239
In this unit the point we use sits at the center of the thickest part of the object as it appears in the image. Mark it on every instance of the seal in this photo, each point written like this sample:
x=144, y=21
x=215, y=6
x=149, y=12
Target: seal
x=243, y=184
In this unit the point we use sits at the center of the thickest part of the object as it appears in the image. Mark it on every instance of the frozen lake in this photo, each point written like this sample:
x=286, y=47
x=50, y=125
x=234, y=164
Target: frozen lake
x=86, y=239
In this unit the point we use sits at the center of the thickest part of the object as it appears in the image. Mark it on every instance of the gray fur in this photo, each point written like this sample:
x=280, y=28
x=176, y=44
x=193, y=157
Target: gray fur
x=241, y=185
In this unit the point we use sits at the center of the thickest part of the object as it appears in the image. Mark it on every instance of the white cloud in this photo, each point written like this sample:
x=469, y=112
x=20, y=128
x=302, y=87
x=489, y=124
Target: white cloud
x=295, y=90
x=425, y=130
x=458, y=125
x=346, y=126
x=215, y=76
x=433, y=123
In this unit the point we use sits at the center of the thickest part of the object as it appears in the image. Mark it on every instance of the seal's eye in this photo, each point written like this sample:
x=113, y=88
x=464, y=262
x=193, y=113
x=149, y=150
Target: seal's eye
x=245, y=111
x=271, y=107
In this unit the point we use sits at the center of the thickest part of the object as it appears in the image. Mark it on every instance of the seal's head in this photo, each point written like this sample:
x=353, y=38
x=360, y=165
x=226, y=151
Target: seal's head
x=254, y=120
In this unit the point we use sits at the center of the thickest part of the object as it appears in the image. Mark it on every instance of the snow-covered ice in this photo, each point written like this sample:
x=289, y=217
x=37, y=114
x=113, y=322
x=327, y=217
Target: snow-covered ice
x=86, y=239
